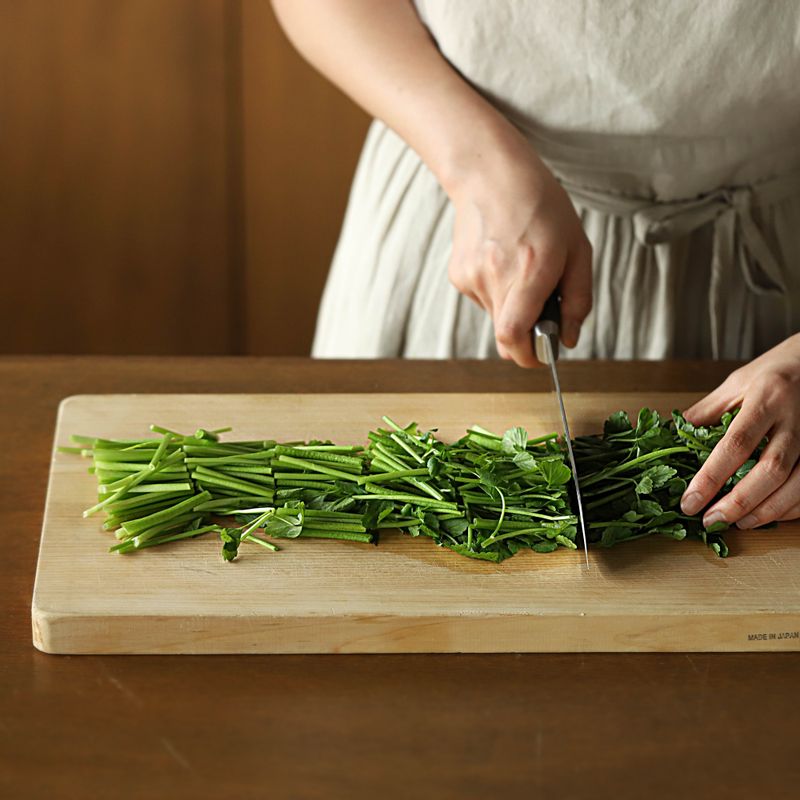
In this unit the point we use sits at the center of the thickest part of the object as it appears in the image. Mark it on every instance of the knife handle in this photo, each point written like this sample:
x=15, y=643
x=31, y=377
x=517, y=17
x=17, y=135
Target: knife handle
x=548, y=326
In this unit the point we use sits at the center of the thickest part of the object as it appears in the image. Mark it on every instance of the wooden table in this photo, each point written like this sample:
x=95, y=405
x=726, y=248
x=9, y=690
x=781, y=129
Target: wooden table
x=468, y=726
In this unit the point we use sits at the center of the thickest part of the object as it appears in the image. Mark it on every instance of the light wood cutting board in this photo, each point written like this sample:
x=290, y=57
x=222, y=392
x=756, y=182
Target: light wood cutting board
x=405, y=595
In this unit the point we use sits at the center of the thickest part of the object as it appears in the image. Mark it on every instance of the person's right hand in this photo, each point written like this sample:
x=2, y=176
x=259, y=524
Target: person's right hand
x=516, y=238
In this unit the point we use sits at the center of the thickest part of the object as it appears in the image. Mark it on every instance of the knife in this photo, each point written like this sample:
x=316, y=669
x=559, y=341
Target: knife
x=545, y=341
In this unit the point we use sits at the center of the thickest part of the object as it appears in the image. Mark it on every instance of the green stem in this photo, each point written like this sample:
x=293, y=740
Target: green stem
x=138, y=525
x=667, y=451
x=314, y=467
x=129, y=547
x=384, y=477
x=317, y=533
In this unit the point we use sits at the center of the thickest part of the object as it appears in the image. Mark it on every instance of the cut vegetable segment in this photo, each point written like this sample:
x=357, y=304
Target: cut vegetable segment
x=486, y=496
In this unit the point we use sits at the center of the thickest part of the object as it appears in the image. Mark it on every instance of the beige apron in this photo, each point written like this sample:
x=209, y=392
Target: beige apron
x=675, y=127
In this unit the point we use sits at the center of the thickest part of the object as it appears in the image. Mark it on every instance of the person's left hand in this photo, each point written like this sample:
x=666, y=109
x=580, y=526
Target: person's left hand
x=768, y=392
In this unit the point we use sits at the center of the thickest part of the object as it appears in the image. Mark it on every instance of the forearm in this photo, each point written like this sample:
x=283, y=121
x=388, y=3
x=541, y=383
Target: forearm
x=380, y=54
x=516, y=236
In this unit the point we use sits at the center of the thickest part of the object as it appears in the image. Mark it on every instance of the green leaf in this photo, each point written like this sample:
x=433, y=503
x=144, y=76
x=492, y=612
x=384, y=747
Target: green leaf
x=613, y=534
x=525, y=461
x=661, y=475
x=743, y=470
x=649, y=508
x=514, y=546
x=676, y=531
x=565, y=542
x=646, y=421
x=556, y=473
x=230, y=538
x=663, y=519
x=654, y=439
x=720, y=547
x=483, y=555
x=488, y=477
x=676, y=487
x=431, y=521
x=286, y=522
x=618, y=422
x=545, y=547
x=514, y=440
x=455, y=527
x=726, y=419
x=434, y=466
x=375, y=512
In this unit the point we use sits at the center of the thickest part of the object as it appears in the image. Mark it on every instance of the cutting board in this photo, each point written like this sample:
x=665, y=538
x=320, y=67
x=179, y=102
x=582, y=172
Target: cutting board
x=406, y=595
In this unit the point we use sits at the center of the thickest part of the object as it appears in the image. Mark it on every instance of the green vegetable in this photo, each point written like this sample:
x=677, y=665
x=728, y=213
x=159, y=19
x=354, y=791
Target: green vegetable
x=632, y=477
x=485, y=496
x=476, y=496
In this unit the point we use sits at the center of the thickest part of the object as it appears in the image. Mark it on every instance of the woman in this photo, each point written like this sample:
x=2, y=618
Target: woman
x=642, y=158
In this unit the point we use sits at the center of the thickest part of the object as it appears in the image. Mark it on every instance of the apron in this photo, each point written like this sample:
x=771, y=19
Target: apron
x=687, y=186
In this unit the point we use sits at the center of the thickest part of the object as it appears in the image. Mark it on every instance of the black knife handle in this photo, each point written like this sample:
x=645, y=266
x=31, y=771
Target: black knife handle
x=552, y=309
x=547, y=327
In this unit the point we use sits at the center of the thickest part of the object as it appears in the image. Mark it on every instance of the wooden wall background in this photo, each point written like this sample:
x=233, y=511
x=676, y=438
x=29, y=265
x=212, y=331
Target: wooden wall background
x=172, y=178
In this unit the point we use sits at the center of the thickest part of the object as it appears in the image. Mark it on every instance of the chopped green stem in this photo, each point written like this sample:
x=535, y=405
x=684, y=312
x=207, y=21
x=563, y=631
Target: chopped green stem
x=539, y=532
x=656, y=454
x=384, y=477
x=252, y=477
x=207, y=477
x=330, y=448
x=128, y=483
x=314, y=467
x=242, y=458
x=138, y=525
x=609, y=498
x=129, y=547
x=263, y=542
x=139, y=501
x=320, y=455
x=160, y=450
x=301, y=483
x=225, y=505
x=319, y=533
x=152, y=488
x=407, y=447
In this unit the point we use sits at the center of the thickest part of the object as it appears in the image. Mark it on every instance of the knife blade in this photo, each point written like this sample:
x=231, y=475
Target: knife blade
x=545, y=340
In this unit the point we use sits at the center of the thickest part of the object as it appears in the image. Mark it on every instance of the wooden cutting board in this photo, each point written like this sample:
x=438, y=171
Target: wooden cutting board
x=406, y=595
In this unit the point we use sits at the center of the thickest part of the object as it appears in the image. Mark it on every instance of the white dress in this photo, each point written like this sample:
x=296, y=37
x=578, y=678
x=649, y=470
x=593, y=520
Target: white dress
x=675, y=128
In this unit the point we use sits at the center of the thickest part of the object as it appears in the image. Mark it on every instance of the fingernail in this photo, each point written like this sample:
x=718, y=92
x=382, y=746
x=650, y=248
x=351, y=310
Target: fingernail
x=571, y=333
x=691, y=503
x=747, y=522
x=712, y=518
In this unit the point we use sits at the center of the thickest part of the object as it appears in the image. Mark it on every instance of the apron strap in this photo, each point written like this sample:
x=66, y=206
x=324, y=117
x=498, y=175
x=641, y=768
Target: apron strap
x=737, y=239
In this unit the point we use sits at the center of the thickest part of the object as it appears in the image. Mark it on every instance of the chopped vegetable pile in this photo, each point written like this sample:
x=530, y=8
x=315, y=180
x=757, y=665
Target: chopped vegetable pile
x=633, y=476
x=484, y=496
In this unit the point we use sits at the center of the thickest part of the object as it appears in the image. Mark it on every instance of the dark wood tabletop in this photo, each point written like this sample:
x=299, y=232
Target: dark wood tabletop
x=410, y=726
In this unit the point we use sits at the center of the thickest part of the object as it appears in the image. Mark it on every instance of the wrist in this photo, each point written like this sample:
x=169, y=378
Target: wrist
x=484, y=146
x=495, y=157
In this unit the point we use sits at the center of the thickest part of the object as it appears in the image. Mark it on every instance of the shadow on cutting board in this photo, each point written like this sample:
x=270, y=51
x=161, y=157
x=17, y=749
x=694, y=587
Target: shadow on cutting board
x=772, y=542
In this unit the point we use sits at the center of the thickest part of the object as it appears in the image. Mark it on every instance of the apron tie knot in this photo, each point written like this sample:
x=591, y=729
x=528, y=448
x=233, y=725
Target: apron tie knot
x=730, y=212
x=737, y=240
